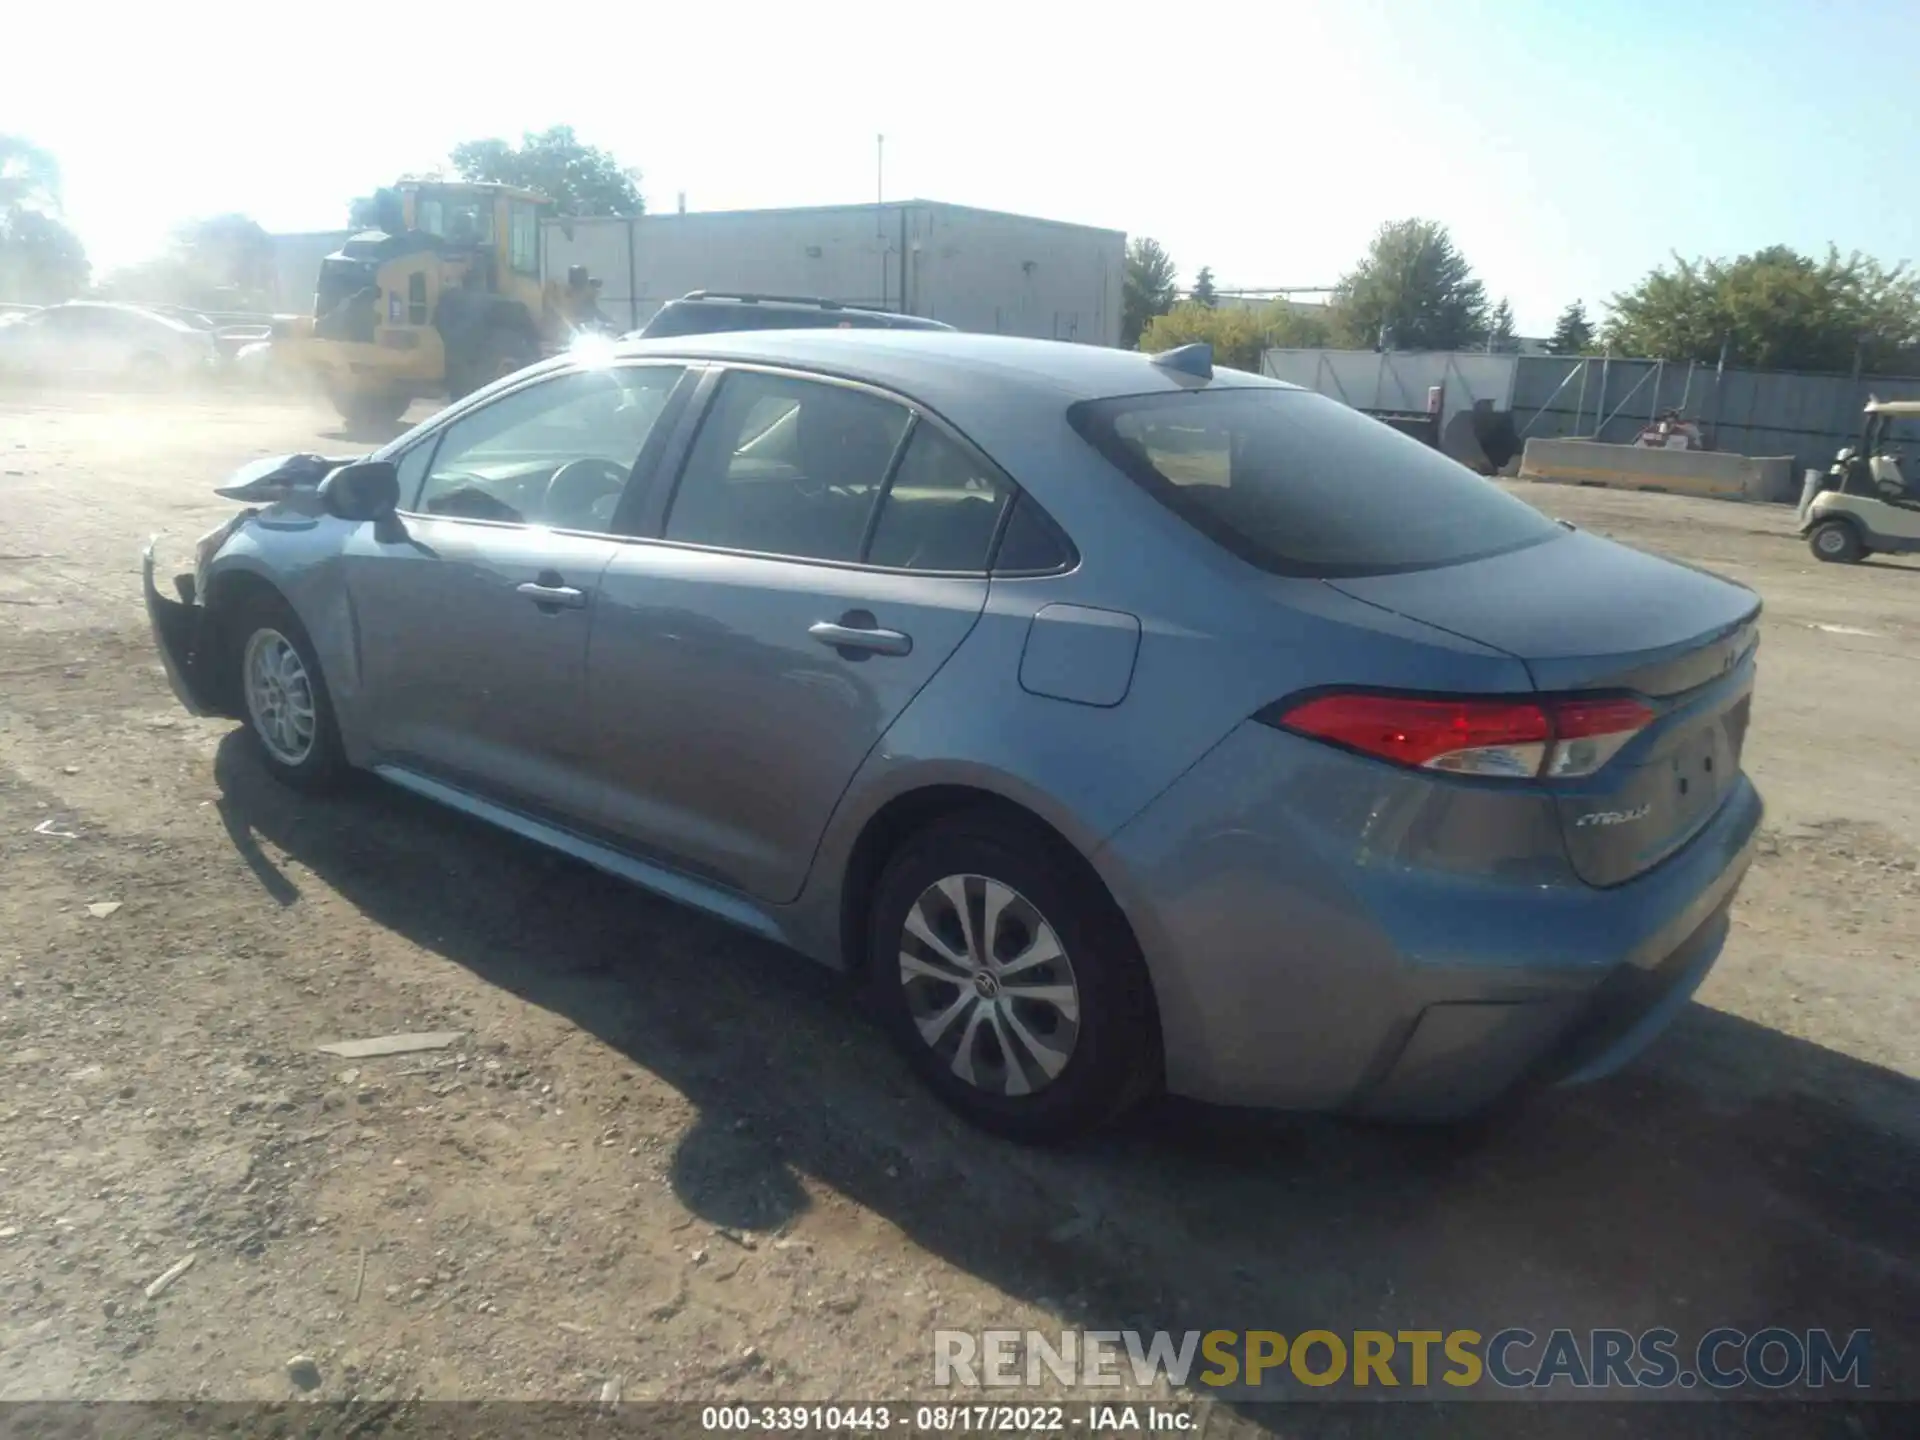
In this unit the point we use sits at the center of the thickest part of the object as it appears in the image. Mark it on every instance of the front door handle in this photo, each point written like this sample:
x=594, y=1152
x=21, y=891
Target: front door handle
x=553, y=597
x=862, y=640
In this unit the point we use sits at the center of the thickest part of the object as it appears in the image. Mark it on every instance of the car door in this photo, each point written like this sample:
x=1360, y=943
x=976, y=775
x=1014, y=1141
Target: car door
x=823, y=552
x=473, y=612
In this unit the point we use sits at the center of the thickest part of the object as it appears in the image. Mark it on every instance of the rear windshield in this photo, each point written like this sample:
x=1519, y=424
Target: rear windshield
x=1299, y=484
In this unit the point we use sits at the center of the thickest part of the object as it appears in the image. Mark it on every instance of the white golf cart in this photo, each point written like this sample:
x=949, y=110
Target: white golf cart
x=1865, y=502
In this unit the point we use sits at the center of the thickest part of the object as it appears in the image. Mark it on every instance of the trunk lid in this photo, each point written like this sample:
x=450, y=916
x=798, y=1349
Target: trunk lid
x=1586, y=614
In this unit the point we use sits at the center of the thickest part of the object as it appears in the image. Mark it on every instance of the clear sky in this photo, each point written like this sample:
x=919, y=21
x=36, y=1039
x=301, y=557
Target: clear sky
x=1569, y=144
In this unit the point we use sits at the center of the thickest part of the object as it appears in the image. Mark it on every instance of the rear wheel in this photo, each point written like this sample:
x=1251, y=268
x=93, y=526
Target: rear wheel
x=1010, y=981
x=1835, y=540
x=284, y=698
x=499, y=352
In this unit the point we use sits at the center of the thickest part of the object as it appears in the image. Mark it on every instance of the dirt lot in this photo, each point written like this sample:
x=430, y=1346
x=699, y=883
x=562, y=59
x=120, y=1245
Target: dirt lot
x=674, y=1157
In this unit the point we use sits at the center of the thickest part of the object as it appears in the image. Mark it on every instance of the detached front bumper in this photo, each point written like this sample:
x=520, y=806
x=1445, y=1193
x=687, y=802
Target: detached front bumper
x=177, y=634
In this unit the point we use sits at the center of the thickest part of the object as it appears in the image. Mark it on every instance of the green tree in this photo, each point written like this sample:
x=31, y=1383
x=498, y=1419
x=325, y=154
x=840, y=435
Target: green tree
x=1774, y=309
x=378, y=211
x=1572, y=332
x=1234, y=333
x=41, y=260
x=1413, y=290
x=1500, y=336
x=580, y=179
x=1203, y=292
x=1297, y=327
x=1238, y=335
x=1147, y=289
x=225, y=262
x=29, y=176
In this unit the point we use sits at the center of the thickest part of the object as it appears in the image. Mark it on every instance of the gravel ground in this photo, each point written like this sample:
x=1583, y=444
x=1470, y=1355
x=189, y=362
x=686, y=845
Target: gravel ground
x=670, y=1157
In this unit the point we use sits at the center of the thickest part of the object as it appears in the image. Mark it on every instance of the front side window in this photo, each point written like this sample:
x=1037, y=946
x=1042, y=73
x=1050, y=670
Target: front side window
x=1299, y=484
x=459, y=220
x=558, y=453
x=1899, y=434
x=786, y=467
x=412, y=471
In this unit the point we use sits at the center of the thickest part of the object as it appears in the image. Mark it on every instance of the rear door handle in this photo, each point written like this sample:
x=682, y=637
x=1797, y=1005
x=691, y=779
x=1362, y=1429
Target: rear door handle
x=862, y=639
x=556, y=597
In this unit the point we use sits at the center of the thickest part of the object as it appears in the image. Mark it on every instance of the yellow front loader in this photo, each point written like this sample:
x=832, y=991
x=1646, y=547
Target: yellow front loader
x=445, y=296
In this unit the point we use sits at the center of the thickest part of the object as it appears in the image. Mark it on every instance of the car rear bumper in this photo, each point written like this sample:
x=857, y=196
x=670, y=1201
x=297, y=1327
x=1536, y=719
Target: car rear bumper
x=1300, y=960
x=176, y=635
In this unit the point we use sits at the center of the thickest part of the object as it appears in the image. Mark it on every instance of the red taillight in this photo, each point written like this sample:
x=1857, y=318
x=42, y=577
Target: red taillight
x=1520, y=740
x=1588, y=733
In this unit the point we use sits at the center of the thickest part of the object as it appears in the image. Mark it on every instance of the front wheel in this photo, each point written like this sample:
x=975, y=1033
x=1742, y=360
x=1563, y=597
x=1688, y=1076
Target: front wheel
x=499, y=352
x=287, y=708
x=1010, y=980
x=1836, y=541
x=371, y=409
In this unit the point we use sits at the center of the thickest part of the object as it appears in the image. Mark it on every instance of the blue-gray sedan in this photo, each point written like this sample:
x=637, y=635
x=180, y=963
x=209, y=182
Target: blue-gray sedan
x=1125, y=723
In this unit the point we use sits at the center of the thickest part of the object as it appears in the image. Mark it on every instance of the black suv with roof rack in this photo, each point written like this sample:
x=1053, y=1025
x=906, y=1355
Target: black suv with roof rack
x=706, y=312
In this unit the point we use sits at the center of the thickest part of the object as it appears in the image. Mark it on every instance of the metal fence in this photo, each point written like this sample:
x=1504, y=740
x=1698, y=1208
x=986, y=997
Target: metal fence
x=1748, y=412
x=1398, y=380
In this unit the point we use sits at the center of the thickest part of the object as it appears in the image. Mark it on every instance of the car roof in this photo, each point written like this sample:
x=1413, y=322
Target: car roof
x=959, y=374
x=121, y=307
x=821, y=313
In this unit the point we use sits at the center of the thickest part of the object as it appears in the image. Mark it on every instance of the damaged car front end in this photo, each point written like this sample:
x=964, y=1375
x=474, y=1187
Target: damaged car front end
x=185, y=626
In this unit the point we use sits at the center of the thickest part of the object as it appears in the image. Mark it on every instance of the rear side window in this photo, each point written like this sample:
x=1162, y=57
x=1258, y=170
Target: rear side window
x=1299, y=484
x=1031, y=544
x=942, y=509
x=786, y=467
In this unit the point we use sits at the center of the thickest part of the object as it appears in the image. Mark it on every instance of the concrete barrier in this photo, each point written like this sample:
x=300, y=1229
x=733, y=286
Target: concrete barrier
x=1710, y=473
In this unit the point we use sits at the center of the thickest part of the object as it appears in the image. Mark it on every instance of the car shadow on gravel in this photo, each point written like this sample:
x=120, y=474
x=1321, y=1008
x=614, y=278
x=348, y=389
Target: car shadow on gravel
x=1736, y=1176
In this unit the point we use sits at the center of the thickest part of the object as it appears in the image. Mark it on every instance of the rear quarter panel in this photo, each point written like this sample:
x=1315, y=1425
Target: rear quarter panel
x=1218, y=642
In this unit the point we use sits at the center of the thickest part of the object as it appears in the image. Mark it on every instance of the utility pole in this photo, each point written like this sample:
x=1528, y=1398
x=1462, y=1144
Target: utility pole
x=880, y=210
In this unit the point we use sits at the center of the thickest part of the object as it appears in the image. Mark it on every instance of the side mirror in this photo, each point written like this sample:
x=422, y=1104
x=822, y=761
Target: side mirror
x=365, y=490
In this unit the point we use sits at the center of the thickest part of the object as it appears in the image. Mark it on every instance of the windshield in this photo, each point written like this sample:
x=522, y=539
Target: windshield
x=461, y=220
x=1302, y=485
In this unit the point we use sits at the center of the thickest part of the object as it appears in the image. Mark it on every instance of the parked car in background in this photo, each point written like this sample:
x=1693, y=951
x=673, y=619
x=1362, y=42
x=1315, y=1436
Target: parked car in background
x=711, y=312
x=1122, y=722
x=230, y=337
x=98, y=340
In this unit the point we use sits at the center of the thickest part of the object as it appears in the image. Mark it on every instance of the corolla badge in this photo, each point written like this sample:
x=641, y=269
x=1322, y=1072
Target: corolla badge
x=1614, y=817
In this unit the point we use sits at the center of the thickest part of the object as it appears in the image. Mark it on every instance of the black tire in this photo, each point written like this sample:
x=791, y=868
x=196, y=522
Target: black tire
x=497, y=352
x=1837, y=541
x=371, y=409
x=323, y=765
x=1112, y=1057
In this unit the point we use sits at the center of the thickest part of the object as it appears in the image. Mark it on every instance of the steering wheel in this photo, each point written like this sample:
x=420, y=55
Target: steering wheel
x=576, y=486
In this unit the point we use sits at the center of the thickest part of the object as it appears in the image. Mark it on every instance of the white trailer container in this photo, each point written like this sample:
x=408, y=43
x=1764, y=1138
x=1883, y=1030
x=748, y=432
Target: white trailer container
x=979, y=270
